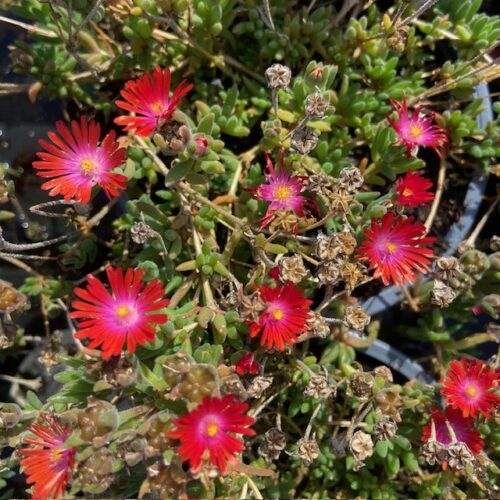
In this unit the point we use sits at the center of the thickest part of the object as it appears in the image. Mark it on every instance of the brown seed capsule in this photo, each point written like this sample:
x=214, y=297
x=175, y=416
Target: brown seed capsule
x=339, y=202
x=385, y=373
x=251, y=307
x=442, y=295
x=398, y=40
x=318, y=183
x=11, y=299
x=388, y=403
x=385, y=429
x=258, y=385
x=356, y=317
x=233, y=385
x=318, y=326
x=362, y=384
x=318, y=387
x=350, y=179
x=459, y=456
x=316, y=105
x=328, y=272
x=352, y=274
x=278, y=76
x=361, y=446
x=307, y=450
x=447, y=268
x=172, y=137
x=273, y=444
x=141, y=232
x=434, y=452
x=119, y=371
x=495, y=243
x=293, y=269
x=304, y=140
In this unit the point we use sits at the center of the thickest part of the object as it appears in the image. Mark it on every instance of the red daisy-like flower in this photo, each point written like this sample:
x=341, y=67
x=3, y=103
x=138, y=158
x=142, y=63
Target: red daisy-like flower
x=247, y=364
x=417, y=130
x=76, y=161
x=411, y=190
x=124, y=316
x=46, y=461
x=148, y=97
x=395, y=249
x=283, y=191
x=468, y=386
x=462, y=427
x=284, y=318
x=207, y=432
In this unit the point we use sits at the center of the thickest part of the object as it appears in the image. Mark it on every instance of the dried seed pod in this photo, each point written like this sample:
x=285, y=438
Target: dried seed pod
x=385, y=373
x=98, y=421
x=434, y=452
x=398, y=40
x=10, y=415
x=495, y=243
x=307, y=450
x=339, y=202
x=318, y=183
x=304, y=140
x=233, y=385
x=120, y=371
x=318, y=387
x=362, y=384
x=141, y=232
x=251, y=307
x=330, y=247
x=350, y=179
x=385, y=429
x=316, y=105
x=459, y=456
x=352, y=274
x=388, y=403
x=328, y=272
x=442, y=295
x=447, y=268
x=293, y=269
x=258, y=385
x=361, y=446
x=278, y=76
x=11, y=299
x=272, y=446
x=318, y=325
x=356, y=317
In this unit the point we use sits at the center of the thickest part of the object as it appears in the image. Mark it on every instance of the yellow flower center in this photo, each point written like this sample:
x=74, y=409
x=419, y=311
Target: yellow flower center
x=407, y=192
x=212, y=429
x=277, y=314
x=157, y=107
x=282, y=193
x=391, y=247
x=56, y=455
x=416, y=130
x=122, y=311
x=471, y=391
x=87, y=165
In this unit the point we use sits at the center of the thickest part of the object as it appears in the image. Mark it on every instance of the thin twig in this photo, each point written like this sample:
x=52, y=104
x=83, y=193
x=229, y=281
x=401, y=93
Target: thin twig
x=437, y=196
x=473, y=236
x=28, y=27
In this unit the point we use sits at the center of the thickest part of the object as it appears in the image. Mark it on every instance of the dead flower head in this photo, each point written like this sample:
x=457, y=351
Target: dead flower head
x=318, y=387
x=278, y=76
x=356, y=317
x=307, y=450
x=293, y=269
x=361, y=446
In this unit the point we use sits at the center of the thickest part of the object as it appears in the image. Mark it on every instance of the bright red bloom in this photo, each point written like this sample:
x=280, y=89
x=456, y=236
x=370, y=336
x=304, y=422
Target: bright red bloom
x=247, y=364
x=110, y=320
x=148, y=97
x=461, y=426
x=47, y=462
x=206, y=432
x=417, y=130
x=468, y=386
x=284, y=318
x=284, y=191
x=394, y=249
x=76, y=162
x=411, y=190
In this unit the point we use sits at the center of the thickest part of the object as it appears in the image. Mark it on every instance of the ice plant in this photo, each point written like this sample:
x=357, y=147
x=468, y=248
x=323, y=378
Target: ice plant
x=469, y=385
x=76, y=161
x=412, y=190
x=395, y=249
x=46, y=461
x=283, y=191
x=149, y=98
x=451, y=426
x=284, y=318
x=247, y=364
x=128, y=315
x=417, y=130
x=207, y=432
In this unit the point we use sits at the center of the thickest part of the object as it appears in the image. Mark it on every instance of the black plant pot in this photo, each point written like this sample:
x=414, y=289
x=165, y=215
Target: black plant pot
x=393, y=295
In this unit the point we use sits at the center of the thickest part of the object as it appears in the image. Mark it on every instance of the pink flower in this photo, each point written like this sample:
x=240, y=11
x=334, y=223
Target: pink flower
x=126, y=316
x=76, y=162
x=395, y=249
x=411, y=190
x=208, y=431
x=417, y=130
x=283, y=191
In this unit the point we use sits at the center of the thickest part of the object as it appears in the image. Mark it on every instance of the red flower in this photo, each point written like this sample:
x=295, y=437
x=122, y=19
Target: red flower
x=411, y=190
x=247, y=364
x=417, y=130
x=148, y=97
x=394, y=249
x=468, y=386
x=47, y=462
x=110, y=320
x=206, y=432
x=462, y=427
x=76, y=162
x=285, y=317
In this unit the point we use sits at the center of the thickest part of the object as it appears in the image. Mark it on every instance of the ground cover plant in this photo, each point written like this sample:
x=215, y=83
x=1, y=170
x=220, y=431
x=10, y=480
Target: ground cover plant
x=229, y=185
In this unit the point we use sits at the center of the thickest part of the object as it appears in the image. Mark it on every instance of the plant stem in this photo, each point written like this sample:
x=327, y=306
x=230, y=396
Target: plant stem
x=437, y=196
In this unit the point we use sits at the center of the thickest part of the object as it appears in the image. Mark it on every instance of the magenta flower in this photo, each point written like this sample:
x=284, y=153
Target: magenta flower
x=417, y=130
